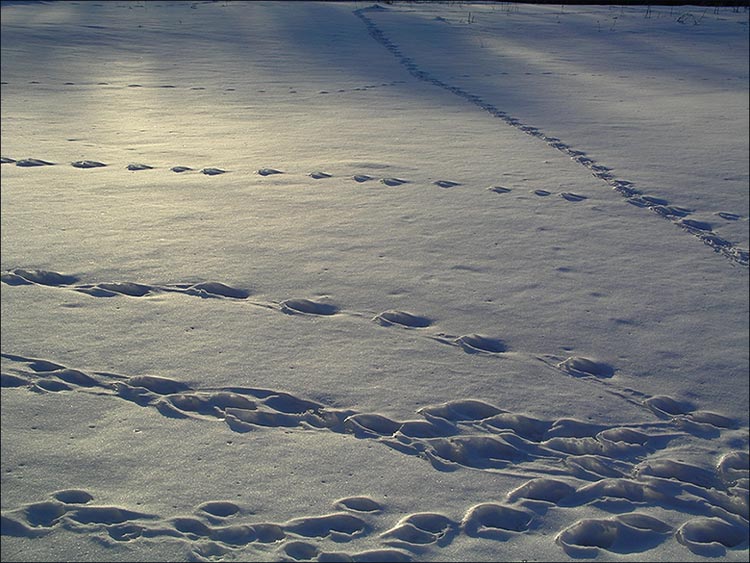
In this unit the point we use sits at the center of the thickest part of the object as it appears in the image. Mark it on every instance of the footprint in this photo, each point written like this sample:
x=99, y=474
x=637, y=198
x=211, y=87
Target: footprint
x=734, y=466
x=572, y=197
x=712, y=418
x=179, y=169
x=628, y=533
x=237, y=534
x=210, y=403
x=241, y=420
x=73, y=496
x=212, y=171
x=542, y=489
x=157, y=384
x=582, y=367
x=105, y=515
x=340, y=526
x=729, y=216
x=319, y=175
x=44, y=514
x=654, y=200
x=460, y=410
x=711, y=536
x=481, y=452
x=393, y=181
x=402, y=318
x=269, y=171
x=137, y=166
x=476, y=343
x=41, y=277
x=6, y=160
x=308, y=307
x=10, y=380
x=87, y=164
x=110, y=289
x=75, y=377
x=359, y=504
x=525, y=426
x=51, y=385
x=191, y=526
x=219, y=508
x=301, y=551
x=495, y=521
x=667, y=406
x=670, y=211
x=499, y=189
x=217, y=289
x=542, y=193
x=371, y=425
x=29, y=162
x=421, y=529
x=684, y=472
x=362, y=178
x=446, y=184
x=699, y=225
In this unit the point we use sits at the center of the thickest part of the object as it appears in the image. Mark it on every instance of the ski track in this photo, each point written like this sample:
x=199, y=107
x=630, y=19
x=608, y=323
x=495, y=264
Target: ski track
x=567, y=463
x=626, y=188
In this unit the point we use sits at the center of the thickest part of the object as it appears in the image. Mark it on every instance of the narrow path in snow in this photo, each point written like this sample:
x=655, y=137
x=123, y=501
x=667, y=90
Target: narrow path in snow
x=626, y=188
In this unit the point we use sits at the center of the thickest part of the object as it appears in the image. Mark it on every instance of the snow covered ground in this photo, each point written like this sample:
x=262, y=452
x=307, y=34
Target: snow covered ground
x=438, y=282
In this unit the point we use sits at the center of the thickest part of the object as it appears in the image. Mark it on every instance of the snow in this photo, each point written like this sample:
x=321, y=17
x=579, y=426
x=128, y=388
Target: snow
x=340, y=281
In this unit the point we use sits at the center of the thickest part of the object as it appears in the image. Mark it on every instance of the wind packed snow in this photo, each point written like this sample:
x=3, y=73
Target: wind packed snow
x=449, y=281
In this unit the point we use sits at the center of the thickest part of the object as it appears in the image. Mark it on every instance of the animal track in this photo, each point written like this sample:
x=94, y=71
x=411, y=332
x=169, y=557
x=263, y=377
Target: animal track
x=593, y=465
x=87, y=164
x=138, y=166
x=269, y=171
x=212, y=171
x=474, y=343
x=582, y=367
x=623, y=187
x=700, y=229
x=402, y=318
x=308, y=307
x=627, y=533
x=111, y=289
x=31, y=162
x=495, y=521
x=572, y=197
x=499, y=189
x=392, y=181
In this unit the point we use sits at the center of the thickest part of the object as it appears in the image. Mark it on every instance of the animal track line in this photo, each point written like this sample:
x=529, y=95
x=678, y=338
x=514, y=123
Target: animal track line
x=700, y=229
x=230, y=526
x=461, y=433
x=585, y=369
x=566, y=463
x=625, y=188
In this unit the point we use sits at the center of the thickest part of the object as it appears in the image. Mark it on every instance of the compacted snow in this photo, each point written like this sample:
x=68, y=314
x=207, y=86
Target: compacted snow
x=343, y=281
